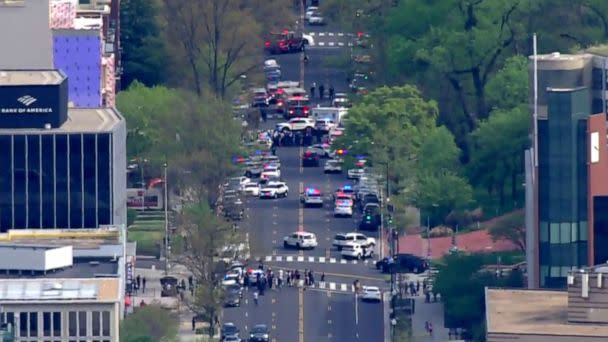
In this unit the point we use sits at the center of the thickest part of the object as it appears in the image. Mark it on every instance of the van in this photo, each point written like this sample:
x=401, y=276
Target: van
x=335, y=114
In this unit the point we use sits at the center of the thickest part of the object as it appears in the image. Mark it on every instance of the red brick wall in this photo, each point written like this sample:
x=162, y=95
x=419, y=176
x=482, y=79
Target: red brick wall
x=597, y=172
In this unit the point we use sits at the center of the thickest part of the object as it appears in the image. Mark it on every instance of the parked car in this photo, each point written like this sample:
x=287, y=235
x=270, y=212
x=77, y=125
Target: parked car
x=402, y=263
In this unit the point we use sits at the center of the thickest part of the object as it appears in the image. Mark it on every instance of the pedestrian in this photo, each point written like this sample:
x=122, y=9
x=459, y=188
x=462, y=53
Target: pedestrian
x=431, y=328
x=331, y=92
x=312, y=89
x=255, y=298
x=323, y=277
x=190, y=281
x=321, y=91
x=434, y=296
x=427, y=295
x=426, y=327
x=143, y=282
x=288, y=279
x=193, y=323
x=138, y=280
x=417, y=285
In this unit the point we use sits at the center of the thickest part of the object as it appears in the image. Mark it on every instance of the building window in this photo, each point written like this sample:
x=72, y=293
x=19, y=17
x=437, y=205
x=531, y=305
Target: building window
x=75, y=141
x=33, y=180
x=6, y=184
x=48, y=182
x=57, y=323
x=544, y=232
x=554, y=233
x=565, y=233
x=90, y=181
x=96, y=323
x=46, y=323
x=82, y=323
x=597, y=78
x=19, y=178
x=33, y=324
x=23, y=324
x=72, y=323
x=61, y=176
x=105, y=323
x=104, y=179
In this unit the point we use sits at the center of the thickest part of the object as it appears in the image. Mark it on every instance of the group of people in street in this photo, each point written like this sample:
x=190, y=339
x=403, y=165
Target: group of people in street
x=321, y=89
x=269, y=279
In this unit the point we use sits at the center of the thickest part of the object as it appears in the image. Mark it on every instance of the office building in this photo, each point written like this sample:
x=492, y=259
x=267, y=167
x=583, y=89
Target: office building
x=575, y=315
x=567, y=180
x=64, y=167
x=53, y=289
x=25, y=37
x=86, y=48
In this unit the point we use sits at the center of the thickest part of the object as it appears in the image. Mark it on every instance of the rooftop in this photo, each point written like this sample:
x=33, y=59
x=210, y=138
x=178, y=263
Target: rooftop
x=80, y=120
x=36, y=290
x=600, y=50
x=81, y=268
x=30, y=77
x=534, y=312
x=557, y=56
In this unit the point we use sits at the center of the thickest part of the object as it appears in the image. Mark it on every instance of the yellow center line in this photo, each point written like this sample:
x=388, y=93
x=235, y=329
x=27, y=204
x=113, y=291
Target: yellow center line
x=301, y=314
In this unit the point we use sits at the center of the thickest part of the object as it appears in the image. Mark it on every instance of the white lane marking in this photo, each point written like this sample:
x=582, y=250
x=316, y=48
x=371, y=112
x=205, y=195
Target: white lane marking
x=332, y=286
x=279, y=258
x=330, y=34
x=289, y=258
x=311, y=33
x=321, y=34
x=343, y=287
x=268, y=258
x=340, y=44
x=300, y=258
x=340, y=34
x=331, y=43
x=322, y=260
x=332, y=260
x=311, y=259
x=343, y=261
x=321, y=44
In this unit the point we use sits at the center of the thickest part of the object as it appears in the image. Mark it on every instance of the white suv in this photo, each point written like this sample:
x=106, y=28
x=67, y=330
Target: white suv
x=296, y=124
x=300, y=240
x=274, y=190
x=357, y=251
x=343, y=239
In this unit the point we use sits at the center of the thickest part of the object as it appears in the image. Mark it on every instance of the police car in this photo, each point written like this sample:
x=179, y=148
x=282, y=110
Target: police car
x=312, y=197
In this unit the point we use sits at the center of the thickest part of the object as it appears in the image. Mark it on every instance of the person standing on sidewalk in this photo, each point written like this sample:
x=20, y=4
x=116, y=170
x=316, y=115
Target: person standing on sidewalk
x=143, y=282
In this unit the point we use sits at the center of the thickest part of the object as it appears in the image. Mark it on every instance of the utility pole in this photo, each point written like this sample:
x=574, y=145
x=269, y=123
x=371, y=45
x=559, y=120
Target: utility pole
x=166, y=202
x=301, y=28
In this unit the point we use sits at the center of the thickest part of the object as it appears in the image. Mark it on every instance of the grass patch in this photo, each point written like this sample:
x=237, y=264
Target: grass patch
x=146, y=240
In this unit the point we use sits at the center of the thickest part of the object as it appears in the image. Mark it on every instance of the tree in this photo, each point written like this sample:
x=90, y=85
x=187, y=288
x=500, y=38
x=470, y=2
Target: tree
x=195, y=135
x=144, y=54
x=497, y=159
x=219, y=40
x=509, y=88
x=205, y=238
x=511, y=228
x=149, y=323
x=461, y=282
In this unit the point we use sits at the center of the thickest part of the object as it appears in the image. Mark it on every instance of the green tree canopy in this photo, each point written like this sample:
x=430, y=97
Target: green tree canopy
x=195, y=135
x=497, y=148
x=149, y=323
x=144, y=54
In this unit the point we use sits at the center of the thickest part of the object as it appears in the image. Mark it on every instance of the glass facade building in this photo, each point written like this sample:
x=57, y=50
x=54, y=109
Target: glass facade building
x=562, y=171
x=62, y=179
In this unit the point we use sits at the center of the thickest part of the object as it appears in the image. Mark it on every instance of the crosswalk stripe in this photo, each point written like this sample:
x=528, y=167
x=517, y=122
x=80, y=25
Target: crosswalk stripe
x=311, y=33
x=340, y=34
x=321, y=34
x=355, y=262
x=268, y=258
x=311, y=259
x=343, y=261
x=340, y=44
x=343, y=287
x=330, y=34
x=300, y=258
x=332, y=260
x=322, y=260
x=279, y=258
x=332, y=286
x=331, y=43
x=289, y=258
x=321, y=43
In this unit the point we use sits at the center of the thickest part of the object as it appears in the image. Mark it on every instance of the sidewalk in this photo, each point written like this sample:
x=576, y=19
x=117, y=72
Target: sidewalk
x=428, y=312
x=152, y=295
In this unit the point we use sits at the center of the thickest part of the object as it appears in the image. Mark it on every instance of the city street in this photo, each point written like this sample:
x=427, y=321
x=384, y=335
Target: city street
x=329, y=310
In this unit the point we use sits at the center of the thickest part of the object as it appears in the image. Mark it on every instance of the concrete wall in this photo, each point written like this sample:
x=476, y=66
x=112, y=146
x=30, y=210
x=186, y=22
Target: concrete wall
x=501, y=337
x=26, y=41
x=119, y=174
x=597, y=172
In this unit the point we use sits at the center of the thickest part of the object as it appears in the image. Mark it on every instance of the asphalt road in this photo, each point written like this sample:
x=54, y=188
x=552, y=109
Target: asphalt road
x=328, y=311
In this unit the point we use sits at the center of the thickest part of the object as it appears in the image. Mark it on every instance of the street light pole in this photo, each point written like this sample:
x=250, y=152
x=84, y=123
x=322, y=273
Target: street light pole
x=166, y=202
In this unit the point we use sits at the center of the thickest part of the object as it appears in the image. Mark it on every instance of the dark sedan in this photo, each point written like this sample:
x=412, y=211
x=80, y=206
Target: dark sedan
x=259, y=333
